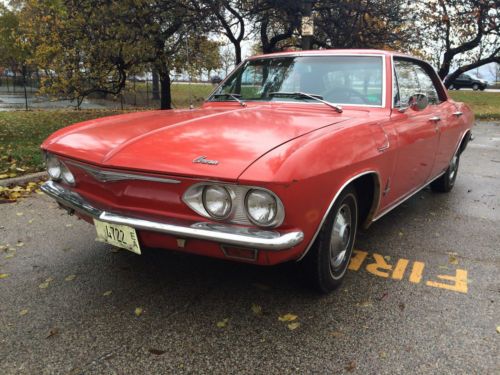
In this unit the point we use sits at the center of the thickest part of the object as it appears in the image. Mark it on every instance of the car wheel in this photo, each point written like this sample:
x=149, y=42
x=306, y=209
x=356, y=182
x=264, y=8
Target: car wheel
x=475, y=87
x=326, y=263
x=451, y=87
x=446, y=182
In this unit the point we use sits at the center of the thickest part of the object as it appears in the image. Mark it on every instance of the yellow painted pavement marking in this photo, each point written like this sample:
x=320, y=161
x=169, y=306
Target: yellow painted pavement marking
x=379, y=266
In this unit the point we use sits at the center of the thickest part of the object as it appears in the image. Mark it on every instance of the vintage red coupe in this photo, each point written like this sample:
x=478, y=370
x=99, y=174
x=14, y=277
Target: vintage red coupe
x=285, y=159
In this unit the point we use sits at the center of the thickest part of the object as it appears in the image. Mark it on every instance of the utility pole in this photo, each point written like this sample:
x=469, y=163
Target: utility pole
x=307, y=26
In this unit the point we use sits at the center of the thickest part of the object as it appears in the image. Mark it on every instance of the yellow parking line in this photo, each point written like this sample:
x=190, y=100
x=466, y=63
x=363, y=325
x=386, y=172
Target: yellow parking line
x=380, y=267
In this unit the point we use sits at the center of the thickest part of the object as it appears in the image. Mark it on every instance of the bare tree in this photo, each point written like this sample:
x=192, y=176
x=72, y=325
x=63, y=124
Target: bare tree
x=465, y=34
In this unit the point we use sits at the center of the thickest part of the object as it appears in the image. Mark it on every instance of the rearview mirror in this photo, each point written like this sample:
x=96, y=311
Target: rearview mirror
x=418, y=102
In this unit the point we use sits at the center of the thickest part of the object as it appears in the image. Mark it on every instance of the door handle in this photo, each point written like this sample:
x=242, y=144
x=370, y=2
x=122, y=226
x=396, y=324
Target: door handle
x=458, y=113
x=435, y=118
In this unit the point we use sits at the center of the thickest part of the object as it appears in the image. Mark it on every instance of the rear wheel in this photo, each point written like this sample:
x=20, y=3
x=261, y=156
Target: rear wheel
x=446, y=182
x=326, y=263
x=451, y=87
x=475, y=87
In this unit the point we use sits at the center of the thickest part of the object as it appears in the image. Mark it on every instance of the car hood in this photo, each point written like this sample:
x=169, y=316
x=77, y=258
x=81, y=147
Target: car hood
x=170, y=141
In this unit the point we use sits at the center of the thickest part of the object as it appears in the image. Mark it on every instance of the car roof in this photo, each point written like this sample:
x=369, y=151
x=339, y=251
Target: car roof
x=333, y=52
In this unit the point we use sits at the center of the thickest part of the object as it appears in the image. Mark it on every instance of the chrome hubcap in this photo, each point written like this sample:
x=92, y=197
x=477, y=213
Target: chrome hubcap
x=339, y=240
x=453, y=167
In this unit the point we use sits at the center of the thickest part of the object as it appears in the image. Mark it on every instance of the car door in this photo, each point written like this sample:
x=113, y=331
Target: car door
x=446, y=120
x=462, y=80
x=417, y=132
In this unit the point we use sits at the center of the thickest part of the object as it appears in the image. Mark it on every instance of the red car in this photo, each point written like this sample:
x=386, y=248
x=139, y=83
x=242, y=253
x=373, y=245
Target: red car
x=285, y=159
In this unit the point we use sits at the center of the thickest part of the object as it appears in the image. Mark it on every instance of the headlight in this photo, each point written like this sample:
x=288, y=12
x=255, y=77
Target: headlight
x=261, y=207
x=67, y=176
x=217, y=201
x=53, y=167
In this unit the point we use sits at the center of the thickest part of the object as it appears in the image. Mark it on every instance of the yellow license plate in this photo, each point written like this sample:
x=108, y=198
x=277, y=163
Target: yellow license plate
x=118, y=235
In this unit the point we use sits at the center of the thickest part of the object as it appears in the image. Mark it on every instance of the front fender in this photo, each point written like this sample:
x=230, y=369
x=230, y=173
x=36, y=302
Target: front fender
x=308, y=173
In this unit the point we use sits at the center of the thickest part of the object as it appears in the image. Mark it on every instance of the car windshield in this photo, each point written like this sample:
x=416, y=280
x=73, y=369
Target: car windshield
x=344, y=80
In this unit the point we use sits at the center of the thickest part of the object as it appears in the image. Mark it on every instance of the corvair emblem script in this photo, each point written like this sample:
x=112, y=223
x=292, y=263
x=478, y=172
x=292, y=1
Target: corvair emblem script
x=204, y=160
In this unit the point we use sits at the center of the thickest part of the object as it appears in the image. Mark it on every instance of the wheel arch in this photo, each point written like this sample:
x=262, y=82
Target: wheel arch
x=367, y=185
x=465, y=140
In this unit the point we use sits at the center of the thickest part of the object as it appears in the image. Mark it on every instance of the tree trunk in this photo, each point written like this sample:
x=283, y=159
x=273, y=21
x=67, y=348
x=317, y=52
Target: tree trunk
x=24, y=72
x=166, y=98
x=156, y=85
x=237, y=53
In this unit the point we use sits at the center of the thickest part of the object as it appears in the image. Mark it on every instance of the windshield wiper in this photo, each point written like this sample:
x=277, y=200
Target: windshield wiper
x=233, y=96
x=316, y=97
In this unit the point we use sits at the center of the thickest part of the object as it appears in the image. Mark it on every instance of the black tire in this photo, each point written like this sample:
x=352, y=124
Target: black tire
x=451, y=87
x=326, y=263
x=475, y=87
x=445, y=183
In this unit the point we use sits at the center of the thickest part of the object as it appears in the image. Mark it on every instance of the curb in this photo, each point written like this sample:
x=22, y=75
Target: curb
x=21, y=180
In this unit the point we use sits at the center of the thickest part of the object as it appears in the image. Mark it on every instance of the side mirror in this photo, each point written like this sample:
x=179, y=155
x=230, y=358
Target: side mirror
x=418, y=102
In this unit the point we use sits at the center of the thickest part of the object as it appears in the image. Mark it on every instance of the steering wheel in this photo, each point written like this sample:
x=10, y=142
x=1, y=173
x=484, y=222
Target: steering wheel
x=344, y=95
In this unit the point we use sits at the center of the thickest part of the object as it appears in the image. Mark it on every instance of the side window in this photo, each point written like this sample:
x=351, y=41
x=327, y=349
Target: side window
x=413, y=79
x=407, y=81
x=426, y=85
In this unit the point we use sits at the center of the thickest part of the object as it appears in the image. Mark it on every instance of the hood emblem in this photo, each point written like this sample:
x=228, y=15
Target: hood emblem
x=204, y=160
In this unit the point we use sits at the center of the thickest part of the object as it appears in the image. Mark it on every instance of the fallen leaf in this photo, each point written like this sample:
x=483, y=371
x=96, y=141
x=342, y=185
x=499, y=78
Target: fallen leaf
x=351, y=366
x=293, y=326
x=68, y=225
x=366, y=304
x=23, y=312
x=4, y=275
x=107, y=293
x=20, y=244
x=30, y=221
x=387, y=258
x=453, y=259
x=257, y=309
x=52, y=332
x=382, y=354
x=383, y=296
x=11, y=255
x=70, y=278
x=336, y=333
x=19, y=214
x=400, y=234
x=223, y=323
x=157, y=351
x=46, y=283
x=498, y=329
x=138, y=311
x=287, y=318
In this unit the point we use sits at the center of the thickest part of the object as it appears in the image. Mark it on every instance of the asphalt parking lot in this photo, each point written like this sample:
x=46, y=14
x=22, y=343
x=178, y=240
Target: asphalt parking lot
x=422, y=295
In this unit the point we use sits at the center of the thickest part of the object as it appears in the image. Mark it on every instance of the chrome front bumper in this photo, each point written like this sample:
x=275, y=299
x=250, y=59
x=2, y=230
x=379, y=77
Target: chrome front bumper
x=220, y=233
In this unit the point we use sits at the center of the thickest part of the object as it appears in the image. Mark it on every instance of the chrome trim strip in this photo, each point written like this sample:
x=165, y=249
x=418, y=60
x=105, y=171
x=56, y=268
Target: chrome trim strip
x=330, y=207
x=404, y=198
x=111, y=176
x=220, y=233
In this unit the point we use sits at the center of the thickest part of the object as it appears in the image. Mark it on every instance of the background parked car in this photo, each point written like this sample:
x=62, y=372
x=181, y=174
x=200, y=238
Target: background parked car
x=467, y=81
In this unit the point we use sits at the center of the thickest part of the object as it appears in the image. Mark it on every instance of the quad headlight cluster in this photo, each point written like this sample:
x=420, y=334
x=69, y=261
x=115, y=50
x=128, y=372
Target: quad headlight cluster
x=58, y=171
x=236, y=204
